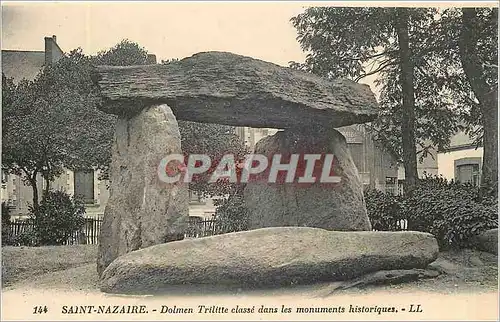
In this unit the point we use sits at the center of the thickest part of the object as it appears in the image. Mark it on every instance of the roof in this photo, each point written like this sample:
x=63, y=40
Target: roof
x=19, y=64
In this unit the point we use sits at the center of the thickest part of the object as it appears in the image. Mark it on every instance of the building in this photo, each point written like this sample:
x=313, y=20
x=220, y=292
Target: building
x=250, y=136
x=462, y=161
x=426, y=167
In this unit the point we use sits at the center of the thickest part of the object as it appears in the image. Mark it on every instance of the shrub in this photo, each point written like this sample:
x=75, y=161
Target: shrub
x=384, y=210
x=57, y=217
x=231, y=212
x=26, y=238
x=451, y=211
x=462, y=220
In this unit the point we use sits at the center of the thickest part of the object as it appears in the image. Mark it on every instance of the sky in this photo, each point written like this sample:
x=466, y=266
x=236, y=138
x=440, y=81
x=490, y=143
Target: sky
x=167, y=29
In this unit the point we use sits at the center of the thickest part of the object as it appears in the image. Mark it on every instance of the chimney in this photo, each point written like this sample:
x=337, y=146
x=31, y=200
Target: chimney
x=151, y=60
x=52, y=51
x=48, y=50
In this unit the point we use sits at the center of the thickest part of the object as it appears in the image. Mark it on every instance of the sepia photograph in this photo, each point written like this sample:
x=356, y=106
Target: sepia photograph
x=249, y=160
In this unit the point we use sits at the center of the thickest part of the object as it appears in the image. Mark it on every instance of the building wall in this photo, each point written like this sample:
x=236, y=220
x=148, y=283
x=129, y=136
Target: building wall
x=377, y=168
x=250, y=136
x=446, y=160
x=19, y=196
x=428, y=166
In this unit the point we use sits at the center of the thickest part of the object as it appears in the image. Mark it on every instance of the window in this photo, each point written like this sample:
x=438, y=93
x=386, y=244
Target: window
x=84, y=185
x=391, y=185
x=195, y=197
x=468, y=173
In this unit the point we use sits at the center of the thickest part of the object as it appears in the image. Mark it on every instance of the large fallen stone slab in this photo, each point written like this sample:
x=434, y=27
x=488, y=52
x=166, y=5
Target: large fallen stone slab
x=142, y=210
x=225, y=88
x=268, y=257
x=331, y=206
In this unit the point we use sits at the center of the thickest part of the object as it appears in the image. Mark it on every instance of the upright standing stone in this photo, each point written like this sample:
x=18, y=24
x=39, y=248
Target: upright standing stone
x=142, y=210
x=329, y=206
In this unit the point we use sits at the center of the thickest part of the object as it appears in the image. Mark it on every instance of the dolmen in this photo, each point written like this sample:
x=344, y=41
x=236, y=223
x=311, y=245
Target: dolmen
x=298, y=234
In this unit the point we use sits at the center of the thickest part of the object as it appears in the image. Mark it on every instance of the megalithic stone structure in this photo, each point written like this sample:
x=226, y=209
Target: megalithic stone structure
x=142, y=210
x=212, y=87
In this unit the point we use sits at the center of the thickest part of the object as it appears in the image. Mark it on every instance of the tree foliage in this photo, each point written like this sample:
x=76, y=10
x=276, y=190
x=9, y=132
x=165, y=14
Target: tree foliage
x=53, y=122
x=125, y=53
x=359, y=42
x=57, y=218
x=214, y=140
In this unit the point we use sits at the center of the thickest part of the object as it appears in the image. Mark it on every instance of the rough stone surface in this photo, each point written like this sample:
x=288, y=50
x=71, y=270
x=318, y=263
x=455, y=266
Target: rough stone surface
x=331, y=206
x=488, y=241
x=268, y=257
x=225, y=88
x=142, y=211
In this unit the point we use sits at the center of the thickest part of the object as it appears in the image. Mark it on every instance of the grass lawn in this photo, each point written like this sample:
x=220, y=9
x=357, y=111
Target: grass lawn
x=21, y=263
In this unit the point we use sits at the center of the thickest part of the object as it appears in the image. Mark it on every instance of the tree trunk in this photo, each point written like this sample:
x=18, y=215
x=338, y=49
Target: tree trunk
x=47, y=187
x=486, y=95
x=34, y=186
x=408, y=117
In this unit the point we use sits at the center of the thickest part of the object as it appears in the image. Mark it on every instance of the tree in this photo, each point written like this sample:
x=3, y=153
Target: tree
x=478, y=48
x=409, y=50
x=125, y=53
x=406, y=64
x=52, y=123
x=359, y=42
x=466, y=40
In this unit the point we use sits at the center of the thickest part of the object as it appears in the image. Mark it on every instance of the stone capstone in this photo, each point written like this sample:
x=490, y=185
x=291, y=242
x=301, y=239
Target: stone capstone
x=329, y=206
x=268, y=257
x=225, y=88
x=142, y=210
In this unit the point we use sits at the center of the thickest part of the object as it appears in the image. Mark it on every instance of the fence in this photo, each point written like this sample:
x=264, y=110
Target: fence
x=197, y=227
x=89, y=234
